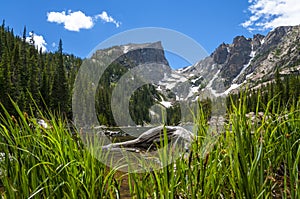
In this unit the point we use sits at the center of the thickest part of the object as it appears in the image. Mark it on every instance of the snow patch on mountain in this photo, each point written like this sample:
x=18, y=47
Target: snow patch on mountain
x=232, y=87
x=183, y=70
x=170, y=80
x=193, y=90
x=164, y=103
x=228, y=49
x=196, y=79
x=177, y=77
x=125, y=49
x=209, y=85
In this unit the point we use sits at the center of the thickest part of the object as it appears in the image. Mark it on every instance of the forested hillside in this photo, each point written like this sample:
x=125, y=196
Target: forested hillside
x=281, y=92
x=25, y=71
x=28, y=76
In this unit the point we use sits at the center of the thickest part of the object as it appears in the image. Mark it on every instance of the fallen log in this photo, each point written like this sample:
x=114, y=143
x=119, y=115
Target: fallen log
x=152, y=138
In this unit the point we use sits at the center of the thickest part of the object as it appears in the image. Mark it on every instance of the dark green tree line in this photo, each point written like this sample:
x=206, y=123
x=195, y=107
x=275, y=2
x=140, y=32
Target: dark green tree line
x=26, y=73
x=282, y=91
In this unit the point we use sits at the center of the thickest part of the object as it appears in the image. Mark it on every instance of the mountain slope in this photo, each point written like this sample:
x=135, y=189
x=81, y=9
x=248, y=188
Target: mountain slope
x=246, y=63
x=249, y=61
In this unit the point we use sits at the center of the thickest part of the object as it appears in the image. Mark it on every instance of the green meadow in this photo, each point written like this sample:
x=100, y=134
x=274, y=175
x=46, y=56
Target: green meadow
x=248, y=159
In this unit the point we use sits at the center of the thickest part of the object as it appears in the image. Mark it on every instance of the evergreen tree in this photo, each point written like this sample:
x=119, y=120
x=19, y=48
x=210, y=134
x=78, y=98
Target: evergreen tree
x=279, y=89
x=24, y=71
x=59, y=92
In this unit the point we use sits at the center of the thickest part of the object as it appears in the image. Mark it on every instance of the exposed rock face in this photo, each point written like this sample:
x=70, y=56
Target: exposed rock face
x=221, y=69
x=238, y=57
x=280, y=49
x=143, y=54
x=221, y=54
x=256, y=41
x=246, y=60
x=150, y=56
x=132, y=55
x=250, y=60
x=274, y=38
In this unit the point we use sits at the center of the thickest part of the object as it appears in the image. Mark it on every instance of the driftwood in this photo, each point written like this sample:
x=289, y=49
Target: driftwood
x=152, y=138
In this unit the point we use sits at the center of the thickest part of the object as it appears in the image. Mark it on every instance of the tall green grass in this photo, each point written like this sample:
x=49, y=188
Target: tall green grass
x=49, y=163
x=249, y=159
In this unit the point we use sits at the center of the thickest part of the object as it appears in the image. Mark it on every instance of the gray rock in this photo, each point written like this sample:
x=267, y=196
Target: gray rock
x=221, y=54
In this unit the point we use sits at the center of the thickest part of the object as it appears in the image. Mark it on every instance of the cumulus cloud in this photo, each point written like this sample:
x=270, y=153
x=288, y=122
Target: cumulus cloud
x=74, y=21
x=108, y=19
x=39, y=41
x=267, y=14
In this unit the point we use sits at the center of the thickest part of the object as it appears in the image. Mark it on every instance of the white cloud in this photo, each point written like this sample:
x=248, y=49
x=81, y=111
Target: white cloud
x=39, y=41
x=74, y=21
x=269, y=14
x=108, y=19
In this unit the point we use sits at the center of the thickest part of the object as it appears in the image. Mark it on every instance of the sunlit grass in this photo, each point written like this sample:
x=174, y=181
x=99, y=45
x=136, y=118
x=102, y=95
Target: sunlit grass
x=250, y=159
x=49, y=163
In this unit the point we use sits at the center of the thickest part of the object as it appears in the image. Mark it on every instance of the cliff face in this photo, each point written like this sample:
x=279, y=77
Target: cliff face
x=239, y=54
x=249, y=61
x=280, y=49
x=126, y=89
x=149, y=56
x=132, y=55
x=246, y=61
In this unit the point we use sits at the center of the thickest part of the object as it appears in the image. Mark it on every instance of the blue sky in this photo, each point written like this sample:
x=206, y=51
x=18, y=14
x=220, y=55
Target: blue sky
x=82, y=25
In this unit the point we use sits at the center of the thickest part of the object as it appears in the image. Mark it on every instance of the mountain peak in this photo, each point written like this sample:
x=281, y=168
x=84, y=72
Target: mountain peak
x=246, y=61
x=250, y=61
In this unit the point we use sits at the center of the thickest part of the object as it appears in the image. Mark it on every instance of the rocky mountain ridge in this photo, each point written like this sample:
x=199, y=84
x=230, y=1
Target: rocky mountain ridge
x=247, y=62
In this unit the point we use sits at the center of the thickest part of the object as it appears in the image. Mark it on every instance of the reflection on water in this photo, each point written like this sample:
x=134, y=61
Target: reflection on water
x=144, y=150
x=123, y=176
x=116, y=159
x=131, y=161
